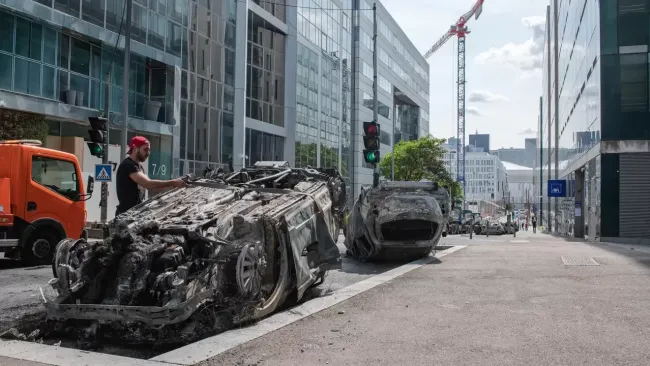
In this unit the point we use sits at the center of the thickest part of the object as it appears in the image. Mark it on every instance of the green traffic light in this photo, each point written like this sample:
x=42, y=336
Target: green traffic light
x=95, y=149
x=371, y=157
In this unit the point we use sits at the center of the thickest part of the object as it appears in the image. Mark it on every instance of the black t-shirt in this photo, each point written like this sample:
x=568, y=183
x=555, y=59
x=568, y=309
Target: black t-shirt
x=129, y=193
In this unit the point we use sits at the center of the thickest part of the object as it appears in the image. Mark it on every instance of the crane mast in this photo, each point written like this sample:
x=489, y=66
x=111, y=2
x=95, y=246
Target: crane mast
x=460, y=30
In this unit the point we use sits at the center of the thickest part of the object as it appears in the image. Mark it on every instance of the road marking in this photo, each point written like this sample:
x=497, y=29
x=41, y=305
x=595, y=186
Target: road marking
x=520, y=241
x=213, y=346
x=579, y=261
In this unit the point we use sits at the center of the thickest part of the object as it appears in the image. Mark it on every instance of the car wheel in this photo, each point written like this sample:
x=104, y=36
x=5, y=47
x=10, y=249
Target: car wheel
x=281, y=289
x=39, y=248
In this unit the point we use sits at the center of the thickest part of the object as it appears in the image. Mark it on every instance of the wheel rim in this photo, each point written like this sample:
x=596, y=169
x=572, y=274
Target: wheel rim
x=249, y=277
x=41, y=248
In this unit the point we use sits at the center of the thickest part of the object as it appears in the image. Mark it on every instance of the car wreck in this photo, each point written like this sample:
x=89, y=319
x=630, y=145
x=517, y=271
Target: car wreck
x=394, y=221
x=228, y=249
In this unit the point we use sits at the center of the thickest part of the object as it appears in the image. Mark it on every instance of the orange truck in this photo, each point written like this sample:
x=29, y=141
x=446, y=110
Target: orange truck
x=42, y=200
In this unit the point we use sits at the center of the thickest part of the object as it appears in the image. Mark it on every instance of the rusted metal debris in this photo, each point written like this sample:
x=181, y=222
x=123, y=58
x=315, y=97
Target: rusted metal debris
x=230, y=248
x=396, y=220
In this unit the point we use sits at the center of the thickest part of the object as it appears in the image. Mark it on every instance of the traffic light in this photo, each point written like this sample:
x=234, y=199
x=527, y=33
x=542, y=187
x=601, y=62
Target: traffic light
x=97, y=134
x=371, y=136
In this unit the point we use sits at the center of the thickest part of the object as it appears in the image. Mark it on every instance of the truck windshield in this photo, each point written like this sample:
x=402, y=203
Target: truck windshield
x=59, y=176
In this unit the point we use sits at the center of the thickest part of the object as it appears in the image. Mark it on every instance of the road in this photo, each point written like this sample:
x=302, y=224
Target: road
x=495, y=300
x=500, y=301
x=19, y=287
x=19, y=294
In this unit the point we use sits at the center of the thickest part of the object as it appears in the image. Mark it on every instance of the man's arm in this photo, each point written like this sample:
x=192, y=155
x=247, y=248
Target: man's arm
x=152, y=184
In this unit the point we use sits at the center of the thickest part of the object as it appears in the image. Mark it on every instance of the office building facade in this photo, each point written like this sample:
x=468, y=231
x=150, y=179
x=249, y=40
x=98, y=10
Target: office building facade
x=235, y=81
x=486, y=176
x=55, y=56
x=596, y=103
x=480, y=141
x=327, y=55
x=403, y=86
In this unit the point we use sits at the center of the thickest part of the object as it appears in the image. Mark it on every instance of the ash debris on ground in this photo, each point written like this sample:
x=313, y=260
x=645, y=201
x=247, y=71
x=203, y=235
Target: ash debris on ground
x=196, y=261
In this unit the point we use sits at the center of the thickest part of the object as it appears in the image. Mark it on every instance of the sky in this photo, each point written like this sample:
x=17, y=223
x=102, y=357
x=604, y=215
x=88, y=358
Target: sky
x=503, y=56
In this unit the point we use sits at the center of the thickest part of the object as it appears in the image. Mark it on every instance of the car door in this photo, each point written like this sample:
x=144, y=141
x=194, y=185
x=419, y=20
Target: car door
x=53, y=188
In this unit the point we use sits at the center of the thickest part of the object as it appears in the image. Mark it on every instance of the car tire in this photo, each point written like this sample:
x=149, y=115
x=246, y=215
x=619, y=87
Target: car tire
x=281, y=289
x=39, y=247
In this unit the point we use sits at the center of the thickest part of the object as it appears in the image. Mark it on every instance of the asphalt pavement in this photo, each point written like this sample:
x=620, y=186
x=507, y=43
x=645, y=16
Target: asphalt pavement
x=500, y=301
x=19, y=292
x=20, y=296
x=533, y=299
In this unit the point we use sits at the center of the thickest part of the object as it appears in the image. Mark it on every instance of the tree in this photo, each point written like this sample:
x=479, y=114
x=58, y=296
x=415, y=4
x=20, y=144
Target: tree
x=15, y=125
x=421, y=159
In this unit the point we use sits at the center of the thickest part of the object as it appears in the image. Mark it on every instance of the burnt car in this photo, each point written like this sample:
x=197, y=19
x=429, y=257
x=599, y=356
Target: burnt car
x=394, y=221
x=228, y=249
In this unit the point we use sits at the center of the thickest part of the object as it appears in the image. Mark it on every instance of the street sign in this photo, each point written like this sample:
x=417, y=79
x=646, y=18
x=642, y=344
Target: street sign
x=103, y=173
x=557, y=188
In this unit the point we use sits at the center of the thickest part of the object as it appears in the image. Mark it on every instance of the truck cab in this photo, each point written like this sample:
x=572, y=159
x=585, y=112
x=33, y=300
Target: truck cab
x=42, y=200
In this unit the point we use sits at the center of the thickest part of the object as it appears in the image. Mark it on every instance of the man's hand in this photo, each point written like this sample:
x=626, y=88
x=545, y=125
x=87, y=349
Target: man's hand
x=180, y=183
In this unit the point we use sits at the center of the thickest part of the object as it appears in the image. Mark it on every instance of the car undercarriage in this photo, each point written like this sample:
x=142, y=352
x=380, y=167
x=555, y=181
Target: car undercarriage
x=230, y=248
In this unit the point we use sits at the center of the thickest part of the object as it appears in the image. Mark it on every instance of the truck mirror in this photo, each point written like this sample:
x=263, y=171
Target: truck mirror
x=91, y=185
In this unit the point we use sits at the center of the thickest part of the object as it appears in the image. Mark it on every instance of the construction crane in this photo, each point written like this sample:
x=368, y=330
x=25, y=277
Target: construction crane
x=460, y=30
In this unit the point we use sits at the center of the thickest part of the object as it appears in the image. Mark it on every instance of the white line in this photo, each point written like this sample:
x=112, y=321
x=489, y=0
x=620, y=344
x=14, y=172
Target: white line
x=62, y=356
x=213, y=346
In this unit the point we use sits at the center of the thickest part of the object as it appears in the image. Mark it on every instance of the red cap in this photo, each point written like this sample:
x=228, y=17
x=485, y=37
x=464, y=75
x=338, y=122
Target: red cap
x=137, y=141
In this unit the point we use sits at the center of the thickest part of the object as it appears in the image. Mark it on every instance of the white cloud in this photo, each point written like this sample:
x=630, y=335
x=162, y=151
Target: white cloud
x=483, y=96
x=473, y=110
x=526, y=56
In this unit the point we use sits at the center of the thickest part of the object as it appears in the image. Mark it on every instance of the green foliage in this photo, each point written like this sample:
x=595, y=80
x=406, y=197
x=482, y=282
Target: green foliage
x=421, y=159
x=15, y=125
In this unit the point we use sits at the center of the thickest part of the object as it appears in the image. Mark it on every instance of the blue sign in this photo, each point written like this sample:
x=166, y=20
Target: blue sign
x=557, y=188
x=103, y=173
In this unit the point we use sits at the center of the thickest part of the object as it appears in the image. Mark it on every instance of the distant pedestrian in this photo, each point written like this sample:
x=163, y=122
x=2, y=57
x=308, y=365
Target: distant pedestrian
x=534, y=224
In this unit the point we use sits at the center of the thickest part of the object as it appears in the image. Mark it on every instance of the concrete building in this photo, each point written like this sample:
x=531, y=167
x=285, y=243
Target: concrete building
x=595, y=104
x=480, y=142
x=486, y=176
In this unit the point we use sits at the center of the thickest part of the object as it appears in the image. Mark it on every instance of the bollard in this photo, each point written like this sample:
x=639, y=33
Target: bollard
x=471, y=228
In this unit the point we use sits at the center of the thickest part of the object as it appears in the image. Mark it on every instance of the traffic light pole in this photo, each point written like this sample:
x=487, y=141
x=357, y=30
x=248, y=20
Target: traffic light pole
x=103, y=203
x=375, y=109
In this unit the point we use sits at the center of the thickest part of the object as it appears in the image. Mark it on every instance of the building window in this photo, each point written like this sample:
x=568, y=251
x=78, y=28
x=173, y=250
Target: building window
x=634, y=81
x=265, y=83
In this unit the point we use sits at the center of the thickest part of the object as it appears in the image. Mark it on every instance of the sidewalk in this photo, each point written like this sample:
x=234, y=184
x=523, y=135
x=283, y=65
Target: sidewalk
x=492, y=303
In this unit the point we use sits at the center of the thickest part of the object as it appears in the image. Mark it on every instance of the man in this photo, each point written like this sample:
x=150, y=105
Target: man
x=130, y=178
x=534, y=224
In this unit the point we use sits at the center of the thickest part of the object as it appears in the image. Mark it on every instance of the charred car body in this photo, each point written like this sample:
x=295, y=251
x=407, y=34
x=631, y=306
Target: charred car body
x=396, y=220
x=228, y=249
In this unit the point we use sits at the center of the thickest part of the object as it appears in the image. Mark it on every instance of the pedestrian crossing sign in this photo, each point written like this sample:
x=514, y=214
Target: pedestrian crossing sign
x=103, y=173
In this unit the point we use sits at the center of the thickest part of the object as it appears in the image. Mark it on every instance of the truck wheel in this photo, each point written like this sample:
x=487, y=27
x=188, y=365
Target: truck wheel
x=39, y=248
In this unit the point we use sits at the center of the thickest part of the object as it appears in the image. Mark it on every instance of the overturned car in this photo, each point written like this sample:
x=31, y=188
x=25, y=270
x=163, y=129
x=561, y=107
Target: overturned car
x=229, y=248
x=396, y=220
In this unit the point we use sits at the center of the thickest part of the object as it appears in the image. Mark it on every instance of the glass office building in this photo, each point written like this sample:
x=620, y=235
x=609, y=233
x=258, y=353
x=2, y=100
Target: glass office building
x=319, y=122
x=239, y=81
x=55, y=56
x=597, y=125
x=403, y=86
